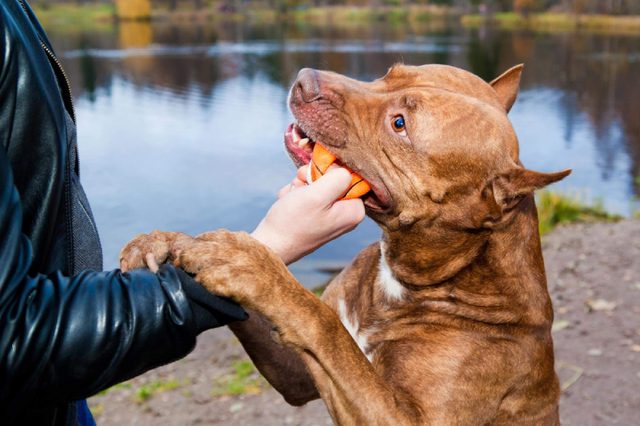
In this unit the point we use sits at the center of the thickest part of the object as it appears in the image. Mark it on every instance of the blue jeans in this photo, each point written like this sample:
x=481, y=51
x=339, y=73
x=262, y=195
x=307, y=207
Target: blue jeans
x=84, y=416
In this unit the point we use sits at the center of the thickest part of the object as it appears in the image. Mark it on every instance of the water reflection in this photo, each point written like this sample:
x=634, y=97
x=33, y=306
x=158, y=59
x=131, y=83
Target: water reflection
x=181, y=126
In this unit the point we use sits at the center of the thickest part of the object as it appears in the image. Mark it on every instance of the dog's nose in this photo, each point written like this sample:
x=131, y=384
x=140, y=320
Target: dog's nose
x=308, y=84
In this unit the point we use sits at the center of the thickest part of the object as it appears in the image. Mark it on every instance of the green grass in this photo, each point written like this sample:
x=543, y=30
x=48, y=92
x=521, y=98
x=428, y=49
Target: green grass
x=320, y=289
x=557, y=22
x=125, y=385
x=148, y=390
x=74, y=17
x=555, y=209
x=91, y=16
x=77, y=17
x=336, y=15
x=97, y=410
x=245, y=380
x=357, y=15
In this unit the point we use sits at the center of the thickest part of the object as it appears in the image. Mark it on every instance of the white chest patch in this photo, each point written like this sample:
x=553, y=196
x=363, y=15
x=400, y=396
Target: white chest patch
x=353, y=327
x=389, y=285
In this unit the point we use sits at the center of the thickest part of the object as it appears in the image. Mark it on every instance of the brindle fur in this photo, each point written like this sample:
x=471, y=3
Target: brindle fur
x=467, y=338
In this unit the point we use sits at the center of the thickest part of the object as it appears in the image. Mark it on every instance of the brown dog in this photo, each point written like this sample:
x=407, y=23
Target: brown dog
x=448, y=319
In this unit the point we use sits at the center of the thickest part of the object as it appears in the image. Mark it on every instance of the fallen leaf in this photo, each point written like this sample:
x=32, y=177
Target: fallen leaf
x=594, y=352
x=600, y=305
x=560, y=325
x=238, y=406
x=576, y=373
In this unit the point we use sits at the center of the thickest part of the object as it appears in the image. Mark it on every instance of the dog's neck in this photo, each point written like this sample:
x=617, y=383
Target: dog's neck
x=503, y=266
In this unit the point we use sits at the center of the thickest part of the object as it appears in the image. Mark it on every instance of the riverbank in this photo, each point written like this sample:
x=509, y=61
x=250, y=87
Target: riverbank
x=103, y=16
x=594, y=281
x=76, y=16
x=557, y=22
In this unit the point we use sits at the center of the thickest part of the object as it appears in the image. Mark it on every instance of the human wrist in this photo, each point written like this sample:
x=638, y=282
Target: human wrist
x=267, y=236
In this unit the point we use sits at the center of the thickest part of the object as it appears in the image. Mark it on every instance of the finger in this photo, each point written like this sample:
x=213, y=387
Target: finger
x=298, y=182
x=302, y=174
x=332, y=185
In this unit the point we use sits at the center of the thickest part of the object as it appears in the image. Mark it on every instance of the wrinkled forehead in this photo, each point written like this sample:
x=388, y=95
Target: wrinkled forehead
x=458, y=97
x=441, y=77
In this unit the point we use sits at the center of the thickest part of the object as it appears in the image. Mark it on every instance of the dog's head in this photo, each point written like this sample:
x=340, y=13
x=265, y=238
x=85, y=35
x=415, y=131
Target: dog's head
x=434, y=141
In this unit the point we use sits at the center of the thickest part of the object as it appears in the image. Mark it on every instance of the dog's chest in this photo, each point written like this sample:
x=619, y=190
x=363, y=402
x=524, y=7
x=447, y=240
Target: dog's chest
x=353, y=325
x=364, y=312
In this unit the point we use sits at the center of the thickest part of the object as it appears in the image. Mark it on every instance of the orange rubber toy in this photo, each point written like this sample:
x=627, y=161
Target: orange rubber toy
x=321, y=159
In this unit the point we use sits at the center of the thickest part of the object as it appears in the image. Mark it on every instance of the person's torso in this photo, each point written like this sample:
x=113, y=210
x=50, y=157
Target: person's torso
x=41, y=147
x=43, y=152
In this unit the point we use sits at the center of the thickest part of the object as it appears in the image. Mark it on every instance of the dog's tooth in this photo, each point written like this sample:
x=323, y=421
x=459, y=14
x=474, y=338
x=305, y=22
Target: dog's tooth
x=303, y=142
x=294, y=134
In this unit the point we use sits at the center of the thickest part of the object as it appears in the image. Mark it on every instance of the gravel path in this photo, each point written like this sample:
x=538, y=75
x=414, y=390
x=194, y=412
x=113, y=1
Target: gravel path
x=594, y=278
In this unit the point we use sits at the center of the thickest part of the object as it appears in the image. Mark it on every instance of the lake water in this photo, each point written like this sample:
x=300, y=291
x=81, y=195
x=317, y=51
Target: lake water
x=181, y=126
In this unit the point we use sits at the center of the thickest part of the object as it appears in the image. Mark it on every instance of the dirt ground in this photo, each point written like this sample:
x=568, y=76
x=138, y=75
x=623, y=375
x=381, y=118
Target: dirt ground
x=594, y=279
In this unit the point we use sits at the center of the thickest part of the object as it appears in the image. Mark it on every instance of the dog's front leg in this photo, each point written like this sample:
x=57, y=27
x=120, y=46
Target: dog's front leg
x=280, y=364
x=237, y=266
x=352, y=389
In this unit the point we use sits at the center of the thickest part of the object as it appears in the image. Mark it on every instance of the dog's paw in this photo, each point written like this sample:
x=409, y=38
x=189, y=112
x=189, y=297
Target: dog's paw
x=151, y=250
x=232, y=264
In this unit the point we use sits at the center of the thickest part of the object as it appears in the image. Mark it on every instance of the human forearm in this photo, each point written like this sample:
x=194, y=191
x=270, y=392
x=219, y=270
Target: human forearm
x=64, y=338
x=67, y=338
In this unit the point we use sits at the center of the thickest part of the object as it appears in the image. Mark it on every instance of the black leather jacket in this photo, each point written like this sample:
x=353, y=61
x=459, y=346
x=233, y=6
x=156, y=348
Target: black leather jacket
x=67, y=332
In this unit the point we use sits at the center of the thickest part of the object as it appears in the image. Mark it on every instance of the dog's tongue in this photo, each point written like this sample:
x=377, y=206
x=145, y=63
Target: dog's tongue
x=321, y=160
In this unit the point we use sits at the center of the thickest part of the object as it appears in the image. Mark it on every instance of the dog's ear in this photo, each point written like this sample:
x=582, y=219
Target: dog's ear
x=507, y=86
x=511, y=187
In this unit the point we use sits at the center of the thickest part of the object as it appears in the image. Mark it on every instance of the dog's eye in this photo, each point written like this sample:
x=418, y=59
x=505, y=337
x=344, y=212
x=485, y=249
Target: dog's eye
x=398, y=123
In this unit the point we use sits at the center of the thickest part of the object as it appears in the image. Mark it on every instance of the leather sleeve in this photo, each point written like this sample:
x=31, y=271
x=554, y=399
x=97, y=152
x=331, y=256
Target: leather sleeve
x=66, y=338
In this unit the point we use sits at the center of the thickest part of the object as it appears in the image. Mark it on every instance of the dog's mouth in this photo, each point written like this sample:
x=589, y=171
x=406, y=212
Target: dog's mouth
x=300, y=147
x=298, y=144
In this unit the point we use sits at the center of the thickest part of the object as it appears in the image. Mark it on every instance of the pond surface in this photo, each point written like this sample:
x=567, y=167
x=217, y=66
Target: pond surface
x=181, y=126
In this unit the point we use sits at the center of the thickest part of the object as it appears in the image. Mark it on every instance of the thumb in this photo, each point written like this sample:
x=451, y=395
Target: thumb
x=332, y=185
x=301, y=174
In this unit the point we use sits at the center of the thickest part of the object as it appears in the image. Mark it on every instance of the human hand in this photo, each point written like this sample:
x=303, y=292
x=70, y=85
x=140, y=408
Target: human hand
x=307, y=216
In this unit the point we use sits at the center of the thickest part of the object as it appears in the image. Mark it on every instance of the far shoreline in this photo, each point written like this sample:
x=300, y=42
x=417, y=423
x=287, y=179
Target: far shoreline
x=102, y=17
